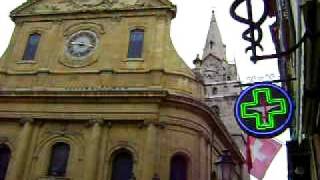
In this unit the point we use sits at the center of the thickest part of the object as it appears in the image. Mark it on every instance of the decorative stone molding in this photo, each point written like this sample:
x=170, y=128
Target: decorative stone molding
x=161, y=125
x=123, y=145
x=54, y=178
x=116, y=18
x=147, y=123
x=88, y=3
x=64, y=133
x=4, y=139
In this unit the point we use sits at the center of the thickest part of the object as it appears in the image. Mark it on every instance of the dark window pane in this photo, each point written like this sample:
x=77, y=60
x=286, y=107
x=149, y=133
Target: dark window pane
x=136, y=43
x=32, y=46
x=178, y=168
x=122, y=166
x=59, y=159
x=5, y=154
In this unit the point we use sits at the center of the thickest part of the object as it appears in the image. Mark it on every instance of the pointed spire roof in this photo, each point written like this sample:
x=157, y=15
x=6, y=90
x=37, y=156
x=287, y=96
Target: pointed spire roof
x=214, y=45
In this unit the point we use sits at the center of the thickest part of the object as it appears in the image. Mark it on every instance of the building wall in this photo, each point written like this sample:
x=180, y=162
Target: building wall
x=153, y=132
x=150, y=106
x=301, y=18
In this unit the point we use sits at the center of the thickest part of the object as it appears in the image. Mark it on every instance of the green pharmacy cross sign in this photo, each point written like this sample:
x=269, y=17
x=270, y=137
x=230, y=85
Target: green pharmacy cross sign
x=264, y=110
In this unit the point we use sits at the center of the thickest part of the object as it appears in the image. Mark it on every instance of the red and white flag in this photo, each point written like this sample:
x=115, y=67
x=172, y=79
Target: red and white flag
x=262, y=152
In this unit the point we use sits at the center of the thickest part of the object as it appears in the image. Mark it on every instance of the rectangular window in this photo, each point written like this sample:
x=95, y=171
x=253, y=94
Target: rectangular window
x=32, y=46
x=136, y=43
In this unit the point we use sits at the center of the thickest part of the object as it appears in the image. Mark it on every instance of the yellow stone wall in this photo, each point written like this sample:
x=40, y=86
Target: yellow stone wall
x=160, y=65
x=153, y=129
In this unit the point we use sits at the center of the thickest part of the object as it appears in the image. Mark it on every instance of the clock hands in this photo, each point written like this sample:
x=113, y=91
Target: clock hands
x=82, y=44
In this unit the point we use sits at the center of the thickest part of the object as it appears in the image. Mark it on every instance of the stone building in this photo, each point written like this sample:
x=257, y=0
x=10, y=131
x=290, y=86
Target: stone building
x=94, y=90
x=221, y=82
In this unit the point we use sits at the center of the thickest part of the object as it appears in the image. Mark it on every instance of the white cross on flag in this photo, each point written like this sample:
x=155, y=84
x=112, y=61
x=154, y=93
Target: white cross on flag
x=262, y=152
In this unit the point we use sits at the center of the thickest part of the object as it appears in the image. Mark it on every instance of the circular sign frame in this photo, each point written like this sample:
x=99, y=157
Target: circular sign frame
x=264, y=110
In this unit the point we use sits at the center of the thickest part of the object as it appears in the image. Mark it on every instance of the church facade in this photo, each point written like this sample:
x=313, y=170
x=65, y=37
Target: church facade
x=94, y=90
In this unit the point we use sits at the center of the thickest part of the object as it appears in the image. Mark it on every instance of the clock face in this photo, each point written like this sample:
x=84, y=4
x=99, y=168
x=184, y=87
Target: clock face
x=81, y=44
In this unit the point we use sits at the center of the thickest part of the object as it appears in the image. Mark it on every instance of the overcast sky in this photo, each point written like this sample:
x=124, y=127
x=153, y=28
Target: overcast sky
x=188, y=32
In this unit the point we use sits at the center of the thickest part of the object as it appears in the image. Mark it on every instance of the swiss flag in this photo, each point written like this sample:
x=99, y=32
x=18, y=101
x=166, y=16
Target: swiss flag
x=262, y=152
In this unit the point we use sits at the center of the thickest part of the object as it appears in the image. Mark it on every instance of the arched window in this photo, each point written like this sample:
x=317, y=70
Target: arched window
x=136, y=43
x=31, y=47
x=122, y=166
x=179, y=167
x=5, y=154
x=59, y=159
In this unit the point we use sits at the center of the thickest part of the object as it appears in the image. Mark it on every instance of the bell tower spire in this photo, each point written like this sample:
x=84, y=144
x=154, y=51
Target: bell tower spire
x=214, y=44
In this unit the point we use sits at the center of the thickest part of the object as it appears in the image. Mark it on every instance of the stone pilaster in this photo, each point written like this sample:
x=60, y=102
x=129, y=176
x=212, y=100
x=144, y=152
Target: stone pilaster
x=209, y=160
x=203, y=157
x=150, y=152
x=92, y=152
x=19, y=163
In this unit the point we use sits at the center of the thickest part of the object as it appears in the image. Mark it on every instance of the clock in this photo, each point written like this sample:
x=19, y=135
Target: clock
x=81, y=44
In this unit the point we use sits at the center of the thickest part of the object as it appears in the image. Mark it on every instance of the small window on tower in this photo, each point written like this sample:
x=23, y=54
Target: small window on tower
x=136, y=43
x=211, y=44
x=31, y=47
x=214, y=90
x=216, y=109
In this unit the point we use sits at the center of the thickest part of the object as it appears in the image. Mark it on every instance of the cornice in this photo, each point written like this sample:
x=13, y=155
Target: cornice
x=82, y=9
x=101, y=71
x=116, y=92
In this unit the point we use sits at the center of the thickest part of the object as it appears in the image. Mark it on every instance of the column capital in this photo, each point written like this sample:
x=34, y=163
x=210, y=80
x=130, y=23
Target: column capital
x=157, y=124
x=26, y=120
x=96, y=121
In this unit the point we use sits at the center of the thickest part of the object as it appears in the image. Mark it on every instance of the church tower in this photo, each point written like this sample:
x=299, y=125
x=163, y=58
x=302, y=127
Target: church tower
x=94, y=90
x=220, y=80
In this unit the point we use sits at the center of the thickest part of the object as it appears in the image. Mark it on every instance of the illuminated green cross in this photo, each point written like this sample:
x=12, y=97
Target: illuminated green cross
x=264, y=115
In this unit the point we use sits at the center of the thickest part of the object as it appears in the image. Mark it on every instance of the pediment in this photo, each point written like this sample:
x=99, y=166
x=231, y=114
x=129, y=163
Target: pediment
x=38, y=7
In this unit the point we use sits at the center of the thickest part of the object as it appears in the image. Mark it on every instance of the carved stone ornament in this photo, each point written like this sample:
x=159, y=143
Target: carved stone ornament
x=69, y=6
x=88, y=2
